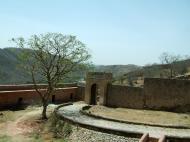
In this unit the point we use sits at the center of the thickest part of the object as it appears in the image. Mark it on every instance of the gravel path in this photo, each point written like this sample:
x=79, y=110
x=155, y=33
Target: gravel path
x=71, y=112
x=86, y=135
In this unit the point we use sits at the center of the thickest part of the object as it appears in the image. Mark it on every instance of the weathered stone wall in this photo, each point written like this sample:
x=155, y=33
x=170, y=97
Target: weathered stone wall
x=80, y=93
x=157, y=94
x=30, y=96
x=167, y=94
x=125, y=96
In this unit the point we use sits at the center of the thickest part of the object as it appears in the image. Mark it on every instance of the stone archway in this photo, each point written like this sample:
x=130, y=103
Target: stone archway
x=96, y=87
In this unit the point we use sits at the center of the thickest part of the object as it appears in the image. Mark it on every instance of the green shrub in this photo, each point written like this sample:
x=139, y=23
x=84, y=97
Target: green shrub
x=60, y=128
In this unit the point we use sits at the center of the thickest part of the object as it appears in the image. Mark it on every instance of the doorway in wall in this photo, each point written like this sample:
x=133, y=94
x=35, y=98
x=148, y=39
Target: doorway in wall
x=53, y=99
x=93, y=94
x=95, y=91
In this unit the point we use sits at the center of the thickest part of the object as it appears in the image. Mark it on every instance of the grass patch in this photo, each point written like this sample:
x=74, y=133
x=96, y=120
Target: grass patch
x=149, y=117
x=5, y=138
x=60, y=128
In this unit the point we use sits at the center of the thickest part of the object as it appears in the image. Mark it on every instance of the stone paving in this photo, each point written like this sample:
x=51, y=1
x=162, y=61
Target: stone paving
x=72, y=112
x=87, y=135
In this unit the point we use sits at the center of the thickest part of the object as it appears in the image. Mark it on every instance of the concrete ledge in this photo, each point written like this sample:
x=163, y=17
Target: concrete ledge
x=62, y=114
x=85, y=108
x=96, y=128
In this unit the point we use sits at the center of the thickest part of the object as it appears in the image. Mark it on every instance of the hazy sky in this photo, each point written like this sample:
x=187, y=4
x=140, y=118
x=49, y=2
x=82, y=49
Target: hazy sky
x=115, y=31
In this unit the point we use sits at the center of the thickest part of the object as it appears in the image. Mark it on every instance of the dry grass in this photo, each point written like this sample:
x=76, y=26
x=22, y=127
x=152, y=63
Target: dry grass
x=142, y=116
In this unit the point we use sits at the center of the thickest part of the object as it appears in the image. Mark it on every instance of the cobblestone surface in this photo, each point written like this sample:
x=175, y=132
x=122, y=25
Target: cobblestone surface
x=86, y=135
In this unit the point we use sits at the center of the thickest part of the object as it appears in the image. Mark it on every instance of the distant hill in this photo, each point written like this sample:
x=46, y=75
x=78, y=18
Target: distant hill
x=11, y=71
x=117, y=70
x=136, y=77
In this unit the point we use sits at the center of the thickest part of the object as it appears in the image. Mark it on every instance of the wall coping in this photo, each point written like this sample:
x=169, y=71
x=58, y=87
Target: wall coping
x=31, y=90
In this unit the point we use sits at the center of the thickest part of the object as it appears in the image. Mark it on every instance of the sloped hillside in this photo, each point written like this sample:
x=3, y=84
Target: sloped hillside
x=136, y=77
x=10, y=72
x=117, y=70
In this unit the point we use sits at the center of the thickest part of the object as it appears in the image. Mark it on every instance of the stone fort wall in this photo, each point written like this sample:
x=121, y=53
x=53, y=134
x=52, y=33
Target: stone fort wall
x=157, y=94
x=125, y=96
x=167, y=94
x=10, y=95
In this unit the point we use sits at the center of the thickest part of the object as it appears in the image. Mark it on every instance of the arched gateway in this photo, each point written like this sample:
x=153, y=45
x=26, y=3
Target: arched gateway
x=96, y=87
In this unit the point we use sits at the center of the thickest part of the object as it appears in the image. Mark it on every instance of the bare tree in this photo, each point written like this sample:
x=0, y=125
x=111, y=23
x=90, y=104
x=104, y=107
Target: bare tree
x=52, y=57
x=169, y=61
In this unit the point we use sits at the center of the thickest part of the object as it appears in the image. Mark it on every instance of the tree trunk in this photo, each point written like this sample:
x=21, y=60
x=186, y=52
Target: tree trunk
x=44, y=116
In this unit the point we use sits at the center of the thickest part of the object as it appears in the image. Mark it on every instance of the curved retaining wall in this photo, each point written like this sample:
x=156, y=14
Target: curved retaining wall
x=94, y=127
x=75, y=117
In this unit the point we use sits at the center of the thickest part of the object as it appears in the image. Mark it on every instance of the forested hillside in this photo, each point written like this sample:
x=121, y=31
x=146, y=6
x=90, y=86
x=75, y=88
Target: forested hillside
x=12, y=71
x=136, y=78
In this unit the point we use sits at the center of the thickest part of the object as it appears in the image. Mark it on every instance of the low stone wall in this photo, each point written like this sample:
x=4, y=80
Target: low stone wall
x=167, y=94
x=125, y=96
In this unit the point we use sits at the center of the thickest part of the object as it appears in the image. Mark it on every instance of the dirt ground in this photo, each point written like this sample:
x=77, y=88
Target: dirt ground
x=25, y=126
x=159, y=118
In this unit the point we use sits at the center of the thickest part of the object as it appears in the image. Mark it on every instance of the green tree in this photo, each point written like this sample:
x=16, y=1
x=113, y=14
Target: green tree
x=53, y=57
